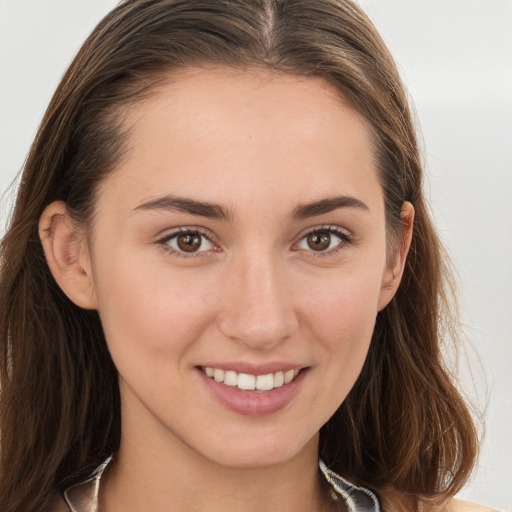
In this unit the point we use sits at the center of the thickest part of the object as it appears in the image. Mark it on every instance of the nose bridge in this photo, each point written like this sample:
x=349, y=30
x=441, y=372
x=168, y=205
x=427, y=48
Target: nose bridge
x=258, y=307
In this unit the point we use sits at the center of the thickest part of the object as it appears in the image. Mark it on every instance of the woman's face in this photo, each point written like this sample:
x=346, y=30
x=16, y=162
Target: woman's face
x=242, y=236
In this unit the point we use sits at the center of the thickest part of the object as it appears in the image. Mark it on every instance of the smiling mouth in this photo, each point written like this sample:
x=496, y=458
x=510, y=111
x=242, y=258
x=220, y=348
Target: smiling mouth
x=248, y=382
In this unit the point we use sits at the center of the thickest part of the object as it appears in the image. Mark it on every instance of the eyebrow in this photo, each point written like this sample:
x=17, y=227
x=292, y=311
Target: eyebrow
x=327, y=205
x=216, y=211
x=181, y=204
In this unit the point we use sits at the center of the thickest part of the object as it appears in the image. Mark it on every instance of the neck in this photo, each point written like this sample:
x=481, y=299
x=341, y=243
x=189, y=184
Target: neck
x=146, y=475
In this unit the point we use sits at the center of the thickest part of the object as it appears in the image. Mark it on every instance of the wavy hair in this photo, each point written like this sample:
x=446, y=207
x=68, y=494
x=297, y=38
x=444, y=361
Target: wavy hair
x=403, y=430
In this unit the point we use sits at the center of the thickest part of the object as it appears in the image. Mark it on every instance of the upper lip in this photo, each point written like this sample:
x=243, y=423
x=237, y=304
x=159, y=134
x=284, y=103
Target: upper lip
x=255, y=369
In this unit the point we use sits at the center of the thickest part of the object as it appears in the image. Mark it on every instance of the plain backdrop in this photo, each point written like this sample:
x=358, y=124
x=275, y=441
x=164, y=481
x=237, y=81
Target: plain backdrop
x=456, y=59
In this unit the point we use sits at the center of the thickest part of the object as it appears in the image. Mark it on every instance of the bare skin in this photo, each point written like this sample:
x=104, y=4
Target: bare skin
x=212, y=246
x=465, y=506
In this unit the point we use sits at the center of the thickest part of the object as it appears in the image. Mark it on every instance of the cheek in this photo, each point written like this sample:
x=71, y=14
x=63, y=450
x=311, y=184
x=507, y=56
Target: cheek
x=340, y=318
x=148, y=312
x=343, y=310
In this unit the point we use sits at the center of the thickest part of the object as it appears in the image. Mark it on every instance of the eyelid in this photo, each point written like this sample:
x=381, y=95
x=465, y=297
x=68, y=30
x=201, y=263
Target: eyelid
x=163, y=240
x=344, y=234
x=170, y=232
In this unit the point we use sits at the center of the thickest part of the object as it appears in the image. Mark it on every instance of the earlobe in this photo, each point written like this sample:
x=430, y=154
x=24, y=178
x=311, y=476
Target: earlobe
x=67, y=253
x=393, y=274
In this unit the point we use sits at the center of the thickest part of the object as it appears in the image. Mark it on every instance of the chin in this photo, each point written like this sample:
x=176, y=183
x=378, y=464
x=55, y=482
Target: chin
x=260, y=454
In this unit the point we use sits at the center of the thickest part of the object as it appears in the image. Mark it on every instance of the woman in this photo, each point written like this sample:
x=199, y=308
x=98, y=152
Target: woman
x=221, y=270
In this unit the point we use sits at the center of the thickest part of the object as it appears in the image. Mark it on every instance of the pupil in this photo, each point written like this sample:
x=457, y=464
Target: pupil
x=189, y=243
x=319, y=241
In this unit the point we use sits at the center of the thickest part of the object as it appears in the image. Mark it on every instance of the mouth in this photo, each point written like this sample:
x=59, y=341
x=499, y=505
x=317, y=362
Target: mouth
x=249, y=382
x=254, y=394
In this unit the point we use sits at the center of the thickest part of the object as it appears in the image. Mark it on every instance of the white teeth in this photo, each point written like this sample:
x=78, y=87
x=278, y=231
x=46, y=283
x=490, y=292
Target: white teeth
x=246, y=381
x=230, y=378
x=265, y=382
x=288, y=376
x=278, y=379
x=250, y=382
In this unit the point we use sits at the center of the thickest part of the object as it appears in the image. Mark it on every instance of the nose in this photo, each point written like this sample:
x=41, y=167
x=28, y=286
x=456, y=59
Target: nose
x=257, y=305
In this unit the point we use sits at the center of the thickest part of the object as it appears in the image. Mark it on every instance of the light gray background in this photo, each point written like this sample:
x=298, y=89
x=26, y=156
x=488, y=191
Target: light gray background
x=456, y=59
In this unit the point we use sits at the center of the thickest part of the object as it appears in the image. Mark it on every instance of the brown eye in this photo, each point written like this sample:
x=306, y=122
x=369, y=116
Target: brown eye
x=186, y=242
x=325, y=241
x=319, y=240
x=189, y=242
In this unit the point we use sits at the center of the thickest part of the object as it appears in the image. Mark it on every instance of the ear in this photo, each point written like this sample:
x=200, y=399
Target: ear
x=67, y=253
x=394, y=270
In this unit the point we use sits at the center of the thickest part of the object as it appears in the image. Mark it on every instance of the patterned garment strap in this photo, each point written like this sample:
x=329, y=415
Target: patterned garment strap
x=358, y=499
x=83, y=497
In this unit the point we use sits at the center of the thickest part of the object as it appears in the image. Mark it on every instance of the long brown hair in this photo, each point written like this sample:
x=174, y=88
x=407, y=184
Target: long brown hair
x=403, y=429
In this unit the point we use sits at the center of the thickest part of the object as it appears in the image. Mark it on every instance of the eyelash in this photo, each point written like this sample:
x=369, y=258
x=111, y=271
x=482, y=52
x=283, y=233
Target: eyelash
x=164, y=242
x=346, y=238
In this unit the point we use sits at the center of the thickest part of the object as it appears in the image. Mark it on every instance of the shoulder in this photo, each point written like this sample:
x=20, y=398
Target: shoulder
x=456, y=505
x=402, y=502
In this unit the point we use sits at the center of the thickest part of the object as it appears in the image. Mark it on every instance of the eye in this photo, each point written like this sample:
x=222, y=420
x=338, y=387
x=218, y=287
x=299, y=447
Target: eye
x=324, y=240
x=187, y=242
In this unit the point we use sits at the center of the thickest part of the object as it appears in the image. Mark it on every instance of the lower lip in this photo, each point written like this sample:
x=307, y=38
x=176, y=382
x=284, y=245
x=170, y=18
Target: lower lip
x=254, y=403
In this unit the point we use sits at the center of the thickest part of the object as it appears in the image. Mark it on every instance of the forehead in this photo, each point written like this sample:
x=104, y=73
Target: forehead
x=236, y=134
